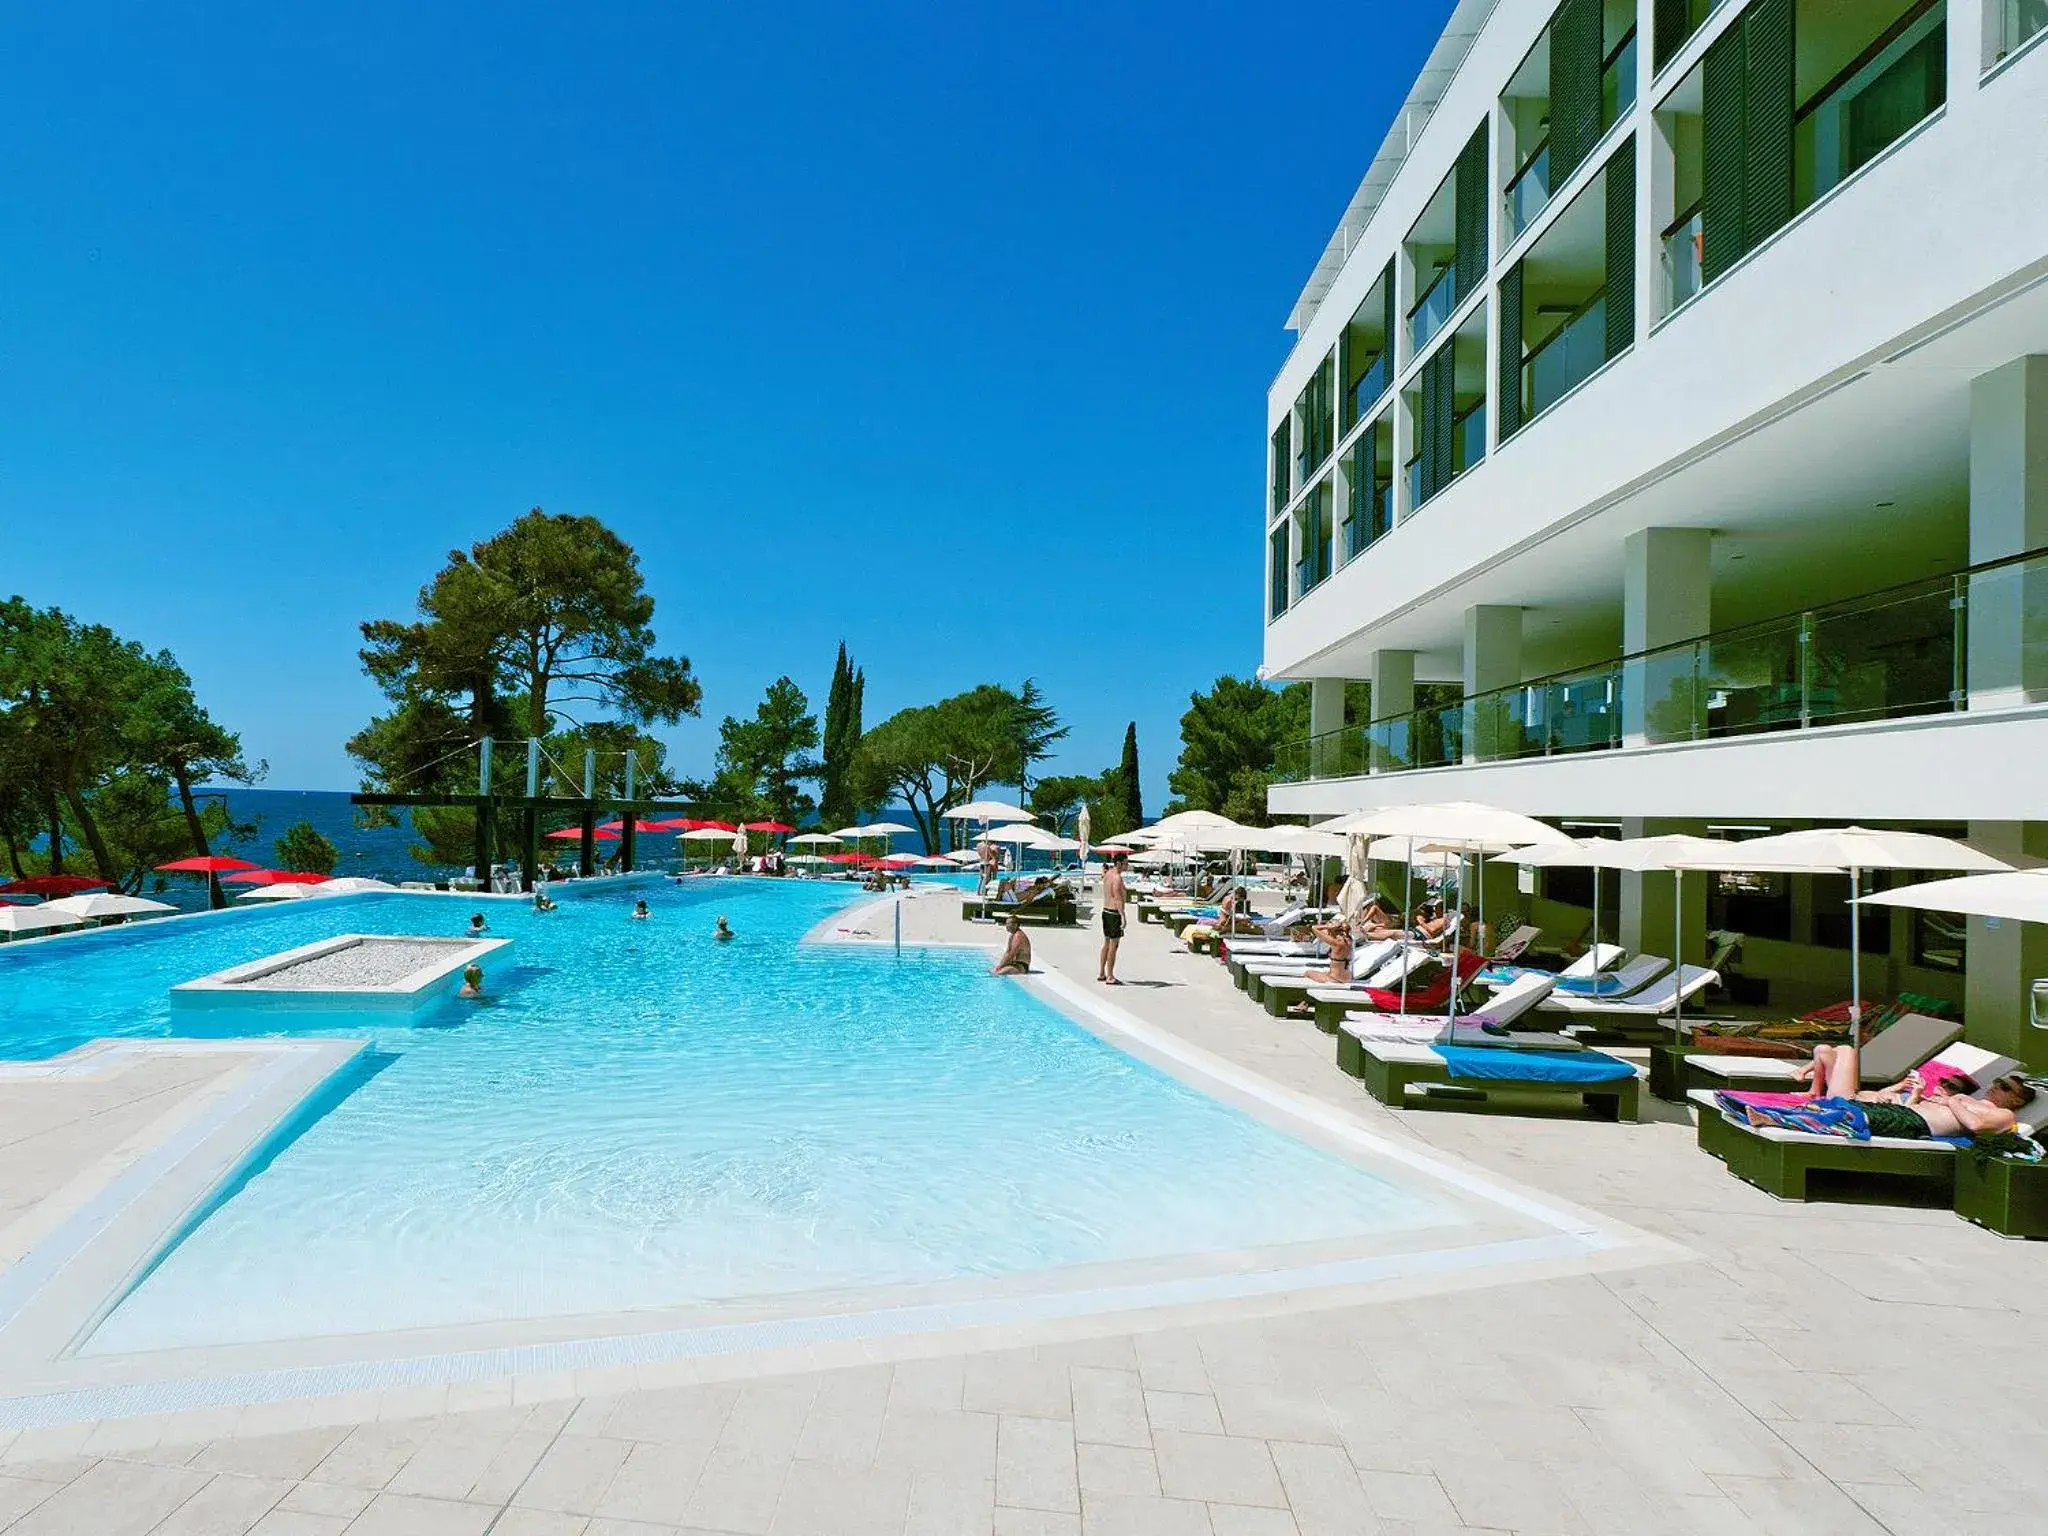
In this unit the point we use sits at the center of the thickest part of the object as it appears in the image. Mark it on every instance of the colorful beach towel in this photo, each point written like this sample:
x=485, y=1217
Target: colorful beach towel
x=1533, y=1066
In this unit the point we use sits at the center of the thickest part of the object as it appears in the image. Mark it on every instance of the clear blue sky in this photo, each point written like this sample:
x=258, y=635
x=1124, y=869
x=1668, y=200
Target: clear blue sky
x=942, y=330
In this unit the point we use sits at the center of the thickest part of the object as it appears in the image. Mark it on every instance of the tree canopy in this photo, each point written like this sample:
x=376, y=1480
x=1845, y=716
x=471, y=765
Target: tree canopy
x=303, y=846
x=763, y=760
x=96, y=735
x=543, y=625
x=933, y=757
x=836, y=805
x=1229, y=737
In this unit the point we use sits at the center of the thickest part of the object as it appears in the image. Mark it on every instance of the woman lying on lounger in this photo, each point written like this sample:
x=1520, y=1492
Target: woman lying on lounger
x=1911, y=1108
x=1374, y=923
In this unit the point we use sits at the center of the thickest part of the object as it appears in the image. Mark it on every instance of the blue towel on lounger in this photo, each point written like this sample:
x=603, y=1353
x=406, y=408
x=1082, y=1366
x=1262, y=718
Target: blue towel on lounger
x=1607, y=984
x=1533, y=1066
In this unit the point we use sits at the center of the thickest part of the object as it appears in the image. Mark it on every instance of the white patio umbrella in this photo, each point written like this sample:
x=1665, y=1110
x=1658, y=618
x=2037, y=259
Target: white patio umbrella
x=1857, y=849
x=37, y=919
x=101, y=904
x=346, y=885
x=987, y=810
x=2018, y=896
x=1083, y=824
x=813, y=839
x=964, y=857
x=277, y=893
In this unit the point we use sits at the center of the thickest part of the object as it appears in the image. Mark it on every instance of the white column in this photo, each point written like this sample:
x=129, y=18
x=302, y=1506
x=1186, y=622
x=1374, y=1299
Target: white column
x=2003, y=958
x=1666, y=597
x=1493, y=659
x=2008, y=617
x=1968, y=52
x=1326, y=758
x=1393, y=693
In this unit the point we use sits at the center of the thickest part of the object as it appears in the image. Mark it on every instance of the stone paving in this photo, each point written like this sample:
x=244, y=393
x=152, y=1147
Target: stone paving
x=1834, y=1369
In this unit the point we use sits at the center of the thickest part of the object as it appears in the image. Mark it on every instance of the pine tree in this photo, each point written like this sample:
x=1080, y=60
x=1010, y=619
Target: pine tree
x=1127, y=771
x=842, y=735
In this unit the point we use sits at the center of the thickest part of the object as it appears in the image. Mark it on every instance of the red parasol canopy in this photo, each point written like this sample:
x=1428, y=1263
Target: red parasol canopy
x=278, y=877
x=207, y=864
x=769, y=826
x=53, y=885
x=574, y=834
x=616, y=827
x=692, y=824
x=863, y=860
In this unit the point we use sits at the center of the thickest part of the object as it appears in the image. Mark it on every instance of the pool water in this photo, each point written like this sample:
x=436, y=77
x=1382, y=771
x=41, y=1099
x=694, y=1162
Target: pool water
x=640, y=1117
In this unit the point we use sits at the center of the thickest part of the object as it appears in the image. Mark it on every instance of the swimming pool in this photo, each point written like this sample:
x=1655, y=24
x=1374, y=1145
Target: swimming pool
x=643, y=1118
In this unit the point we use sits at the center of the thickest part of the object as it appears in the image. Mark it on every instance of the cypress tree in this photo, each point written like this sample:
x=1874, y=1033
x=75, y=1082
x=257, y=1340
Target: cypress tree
x=1127, y=772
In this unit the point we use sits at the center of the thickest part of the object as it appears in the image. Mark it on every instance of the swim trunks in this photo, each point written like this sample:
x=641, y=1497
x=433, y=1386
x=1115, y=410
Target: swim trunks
x=1112, y=925
x=1895, y=1120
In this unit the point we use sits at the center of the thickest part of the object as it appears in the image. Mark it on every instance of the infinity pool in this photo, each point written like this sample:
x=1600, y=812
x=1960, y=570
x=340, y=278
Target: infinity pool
x=641, y=1117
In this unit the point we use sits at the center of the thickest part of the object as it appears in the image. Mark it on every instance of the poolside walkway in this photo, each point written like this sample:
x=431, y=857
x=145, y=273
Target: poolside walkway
x=1835, y=1369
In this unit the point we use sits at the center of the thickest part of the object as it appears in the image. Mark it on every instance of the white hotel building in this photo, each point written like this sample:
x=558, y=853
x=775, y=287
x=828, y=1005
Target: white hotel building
x=1665, y=447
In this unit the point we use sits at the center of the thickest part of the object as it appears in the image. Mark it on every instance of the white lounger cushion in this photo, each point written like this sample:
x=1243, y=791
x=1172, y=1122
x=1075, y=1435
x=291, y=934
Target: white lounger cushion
x=1606, y=956
x=1504, y=1007
x=1660, y=997
x=1407, y=1051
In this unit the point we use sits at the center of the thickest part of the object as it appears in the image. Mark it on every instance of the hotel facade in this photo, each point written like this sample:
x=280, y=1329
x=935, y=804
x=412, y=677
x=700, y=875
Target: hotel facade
x=1664, y=447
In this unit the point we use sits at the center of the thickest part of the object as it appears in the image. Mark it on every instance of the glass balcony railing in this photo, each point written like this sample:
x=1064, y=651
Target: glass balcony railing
x=1569, y=356
x=1684, y=251
x=1529, y=192
x=1365, y=392
x=1618, y=82
x=1975, y=640
x=2013, y=24
x=1433, y=308
x=1469, y=440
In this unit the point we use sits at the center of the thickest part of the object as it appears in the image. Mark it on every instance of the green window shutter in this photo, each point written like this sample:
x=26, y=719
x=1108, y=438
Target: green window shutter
x=1470, y=195
x=1575, y=31
x=1508, y=386
x=1443, y=408
x=1671, y=25
x=1621, y=249
x=1723, y=169
x=1767, y=111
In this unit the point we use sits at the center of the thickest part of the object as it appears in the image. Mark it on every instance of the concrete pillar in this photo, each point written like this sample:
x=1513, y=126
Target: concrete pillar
x=1393, y=694
x=2008, y=617
x=1326, y=752
x=1646, y=910
x=1666, y=597
x=2002, y=959
x=1493, y=659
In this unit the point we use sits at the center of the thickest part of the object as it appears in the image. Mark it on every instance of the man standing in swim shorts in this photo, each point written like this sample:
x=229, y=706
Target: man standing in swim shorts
x=1113, y=898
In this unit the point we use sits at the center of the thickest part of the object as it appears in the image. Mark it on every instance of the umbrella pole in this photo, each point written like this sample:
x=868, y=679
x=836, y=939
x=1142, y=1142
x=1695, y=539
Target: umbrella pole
x=1407, y=917
x=1678, y=953
x=1457, y=918
x=1855, y=960
x=1596, y=930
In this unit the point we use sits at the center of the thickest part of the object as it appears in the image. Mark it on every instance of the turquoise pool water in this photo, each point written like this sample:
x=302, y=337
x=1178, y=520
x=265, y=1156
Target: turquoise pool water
x=641, y=1117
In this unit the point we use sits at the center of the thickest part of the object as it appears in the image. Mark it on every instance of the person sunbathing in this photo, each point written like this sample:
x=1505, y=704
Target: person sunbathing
x=1338, y=936
x=1374, y=923
x=1016, y=956
x=1917, y=1106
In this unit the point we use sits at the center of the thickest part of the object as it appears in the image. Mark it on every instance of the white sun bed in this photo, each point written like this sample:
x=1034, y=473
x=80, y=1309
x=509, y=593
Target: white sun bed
x=1891, y=1053
x=1658, y=1000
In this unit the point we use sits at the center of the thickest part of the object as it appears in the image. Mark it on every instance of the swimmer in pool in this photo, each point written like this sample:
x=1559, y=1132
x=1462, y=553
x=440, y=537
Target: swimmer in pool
x=723, y=932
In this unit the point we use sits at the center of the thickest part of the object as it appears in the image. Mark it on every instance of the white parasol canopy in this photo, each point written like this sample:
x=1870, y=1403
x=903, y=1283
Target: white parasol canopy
x=346, y=885
x=278, y=893
x=1083, y=824
x=15, y=919
x=964, y=857
x=2018, y=895
x=711, y=835
x=809, y=839
x=985, y=810
x=1464, y=823
x=94, y=904
x=1023, y=835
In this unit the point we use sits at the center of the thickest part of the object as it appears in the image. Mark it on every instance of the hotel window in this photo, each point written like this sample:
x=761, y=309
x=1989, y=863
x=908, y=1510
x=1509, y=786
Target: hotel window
x=1313, y=566
x=1282, y=485
x=1369, y=487
x=1673, y=22
x=1315, y=423
x=1276, y=572
x=1447, y=246
x=2009, y=25
x=1366, y=353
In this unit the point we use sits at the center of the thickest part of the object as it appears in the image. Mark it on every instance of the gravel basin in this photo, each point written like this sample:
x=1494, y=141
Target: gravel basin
x=374, y=963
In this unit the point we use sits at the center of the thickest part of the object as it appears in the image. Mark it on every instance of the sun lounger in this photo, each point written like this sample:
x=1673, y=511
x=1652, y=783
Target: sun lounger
x=1431, y=997
x=1500, y=972
x=1605, y=1085
x=1276, y=991
x=1885, y=1057
x=1511, y=948
x=1347, y=1013
x=1625, y=981
x=1782, y=1162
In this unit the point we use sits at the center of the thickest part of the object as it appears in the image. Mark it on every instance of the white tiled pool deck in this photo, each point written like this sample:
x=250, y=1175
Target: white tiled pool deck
x=1759, y=1367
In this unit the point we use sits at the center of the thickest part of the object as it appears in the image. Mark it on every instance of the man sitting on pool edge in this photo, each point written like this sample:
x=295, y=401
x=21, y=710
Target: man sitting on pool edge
x=1016, y=956
x=1910, y=1109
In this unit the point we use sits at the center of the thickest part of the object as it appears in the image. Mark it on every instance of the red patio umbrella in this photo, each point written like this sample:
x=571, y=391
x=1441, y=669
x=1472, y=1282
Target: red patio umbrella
x=53, y=885
x=862, y=860
x=692, y=824
x=277, y=877
x=207, y=864
x=769, y=826
x=616, y=827
x=573, y=834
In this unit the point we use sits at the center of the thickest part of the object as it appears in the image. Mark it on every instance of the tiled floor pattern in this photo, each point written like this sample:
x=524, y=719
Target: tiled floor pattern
x=1827, y=1369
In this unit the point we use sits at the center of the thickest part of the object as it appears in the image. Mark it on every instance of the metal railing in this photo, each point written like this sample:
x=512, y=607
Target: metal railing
x=1568, y=356
x=1976, y=639
x=1434, y=307
x=1529, y=192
